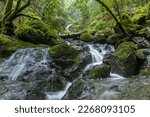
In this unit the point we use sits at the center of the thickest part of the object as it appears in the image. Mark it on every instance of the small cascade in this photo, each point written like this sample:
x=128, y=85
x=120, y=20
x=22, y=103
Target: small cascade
x=57, y=95
x=21, y=60
x=97, y=57
x=68, y=27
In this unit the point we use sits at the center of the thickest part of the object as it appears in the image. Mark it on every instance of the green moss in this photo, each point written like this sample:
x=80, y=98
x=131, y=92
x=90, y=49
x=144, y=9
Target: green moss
x=36, y=31
x=63, y=51
x=139, y=18
x=86, y=36
x=126, y=54
x=125, y=49
x=148, y=10
x=141, y=54
x=145, y=73
x=9, y=45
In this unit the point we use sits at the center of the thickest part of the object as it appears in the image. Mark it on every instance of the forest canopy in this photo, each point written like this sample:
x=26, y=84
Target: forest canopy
x=82, y=14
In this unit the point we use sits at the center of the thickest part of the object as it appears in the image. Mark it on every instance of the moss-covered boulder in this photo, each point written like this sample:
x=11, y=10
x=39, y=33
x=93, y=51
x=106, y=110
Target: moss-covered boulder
x=63, y=54
x=36, y=31
x=114, y=39
x=99, y=71
x=142, y=53
x=126, y=54
x=86, y=36
x=100, y=37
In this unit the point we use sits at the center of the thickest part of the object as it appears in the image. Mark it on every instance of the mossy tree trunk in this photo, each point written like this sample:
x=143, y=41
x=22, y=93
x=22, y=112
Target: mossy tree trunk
x=10, y=14
x=115, y=18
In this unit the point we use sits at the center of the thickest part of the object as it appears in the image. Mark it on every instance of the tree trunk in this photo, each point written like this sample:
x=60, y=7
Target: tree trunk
x=10, y=14
x=115, y=18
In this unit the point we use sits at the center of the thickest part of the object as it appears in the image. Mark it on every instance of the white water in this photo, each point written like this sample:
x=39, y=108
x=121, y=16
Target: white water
x=57, y=95
x=68, y=27
x=97, y=57
x=18, y=62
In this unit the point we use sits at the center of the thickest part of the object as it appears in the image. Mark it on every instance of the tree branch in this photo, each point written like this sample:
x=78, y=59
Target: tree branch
x=115, y=18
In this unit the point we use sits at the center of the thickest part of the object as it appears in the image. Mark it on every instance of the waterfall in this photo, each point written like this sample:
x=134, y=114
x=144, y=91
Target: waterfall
x=97, y=59
x=17, y=64
x=68, y=27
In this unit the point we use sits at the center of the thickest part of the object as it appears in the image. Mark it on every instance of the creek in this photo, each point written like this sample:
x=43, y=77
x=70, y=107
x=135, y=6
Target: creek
x=32, y=74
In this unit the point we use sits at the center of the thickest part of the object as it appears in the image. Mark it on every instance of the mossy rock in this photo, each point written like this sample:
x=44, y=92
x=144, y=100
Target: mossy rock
x=63, y=51
x=100, y=37
x=145, y=32
x=126, y=54
x=99, y=71
x=144, y=73
x=8, y=45
x=64, y=55
x=142, y=53
x=139, y=18
x=36, y=31
x=114, y=39
x=86, y=36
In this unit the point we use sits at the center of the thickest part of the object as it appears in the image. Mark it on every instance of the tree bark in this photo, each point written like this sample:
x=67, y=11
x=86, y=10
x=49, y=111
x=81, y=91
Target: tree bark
x=11, y=14
x=115, y=18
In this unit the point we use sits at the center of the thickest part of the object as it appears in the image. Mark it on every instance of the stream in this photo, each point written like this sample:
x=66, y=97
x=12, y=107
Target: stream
x=32, y=72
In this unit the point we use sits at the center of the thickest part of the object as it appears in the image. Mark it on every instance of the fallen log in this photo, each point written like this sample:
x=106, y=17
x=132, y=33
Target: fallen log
x=74, y=35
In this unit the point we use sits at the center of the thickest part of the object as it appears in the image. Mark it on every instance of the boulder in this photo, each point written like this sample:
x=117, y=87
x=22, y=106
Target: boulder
x=86, y=36
x=114, y=39
x=36, y=31
x=145, y=32
x=126, y=54
x=63, y=55
x=98, y=71
x=8, y=45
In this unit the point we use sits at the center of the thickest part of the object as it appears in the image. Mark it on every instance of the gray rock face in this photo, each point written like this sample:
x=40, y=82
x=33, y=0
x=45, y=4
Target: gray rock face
x=34, y=73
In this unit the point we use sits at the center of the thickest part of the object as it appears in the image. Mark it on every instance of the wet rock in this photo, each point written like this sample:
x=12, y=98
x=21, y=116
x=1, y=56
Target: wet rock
x=89, y=89
x=141, y=41
x=113, y=61
x=136, y=89
x=75, y=90
x=98, y=71
x=124, y=60
x=33, y=72
x=63, y=55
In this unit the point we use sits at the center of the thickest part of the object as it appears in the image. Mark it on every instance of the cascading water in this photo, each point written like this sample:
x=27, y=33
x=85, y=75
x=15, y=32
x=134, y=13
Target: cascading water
x=28, y=68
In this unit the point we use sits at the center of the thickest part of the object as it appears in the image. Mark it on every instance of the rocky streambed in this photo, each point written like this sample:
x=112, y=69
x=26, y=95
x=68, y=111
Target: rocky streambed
x=76, y=70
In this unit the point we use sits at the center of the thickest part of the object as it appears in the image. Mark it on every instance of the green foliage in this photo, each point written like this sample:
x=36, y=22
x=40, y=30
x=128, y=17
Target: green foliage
x=36, y=31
